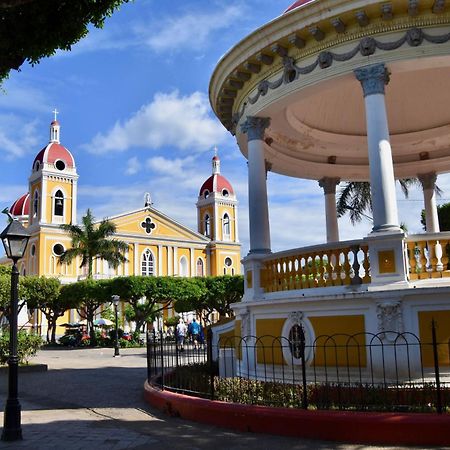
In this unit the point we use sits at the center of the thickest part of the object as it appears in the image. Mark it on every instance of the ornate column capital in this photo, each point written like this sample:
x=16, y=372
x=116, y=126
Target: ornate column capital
x=373, y=78
x=254, y=127
x=329, y=184
x=428, y=180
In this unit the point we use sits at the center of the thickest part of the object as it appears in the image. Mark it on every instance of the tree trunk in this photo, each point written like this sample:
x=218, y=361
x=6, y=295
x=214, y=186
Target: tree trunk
x=53, y=341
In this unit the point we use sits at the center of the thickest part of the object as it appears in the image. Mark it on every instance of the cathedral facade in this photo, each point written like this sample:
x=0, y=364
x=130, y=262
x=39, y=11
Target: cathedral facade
x=157, y=244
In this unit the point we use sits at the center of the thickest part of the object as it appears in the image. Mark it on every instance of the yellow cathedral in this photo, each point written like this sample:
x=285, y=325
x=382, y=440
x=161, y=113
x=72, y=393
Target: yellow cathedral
x=158, y=244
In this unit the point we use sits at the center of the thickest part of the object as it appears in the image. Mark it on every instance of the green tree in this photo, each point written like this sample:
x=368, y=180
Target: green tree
x=212, y=294
x=33, y=29
x=88, y=295
x=443, y=212
x=92, y=241
x=43, y=293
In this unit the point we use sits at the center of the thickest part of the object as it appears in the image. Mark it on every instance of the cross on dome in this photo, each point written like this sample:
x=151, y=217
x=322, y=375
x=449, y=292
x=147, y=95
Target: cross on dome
x=55, y=112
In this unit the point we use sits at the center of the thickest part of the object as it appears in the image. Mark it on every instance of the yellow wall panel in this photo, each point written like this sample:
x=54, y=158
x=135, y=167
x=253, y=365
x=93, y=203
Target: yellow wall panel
x=341, y=350
x=442, y=321
x=268, y=344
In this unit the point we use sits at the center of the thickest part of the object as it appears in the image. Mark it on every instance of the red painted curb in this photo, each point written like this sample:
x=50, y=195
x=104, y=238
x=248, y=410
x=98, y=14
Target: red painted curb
x=354, y=427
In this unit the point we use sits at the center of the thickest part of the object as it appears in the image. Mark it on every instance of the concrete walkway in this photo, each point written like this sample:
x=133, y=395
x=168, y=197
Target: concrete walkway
x=90, y=400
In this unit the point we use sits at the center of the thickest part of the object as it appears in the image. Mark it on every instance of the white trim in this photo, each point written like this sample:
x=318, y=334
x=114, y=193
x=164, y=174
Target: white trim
x=44, y=194
x=153, y=259
x=175, y=261
x=216, y=224
x=181, y=266
x=160, y=260
x=169, y=258
x=74, y=202
x=52, y=199
x=309, y=339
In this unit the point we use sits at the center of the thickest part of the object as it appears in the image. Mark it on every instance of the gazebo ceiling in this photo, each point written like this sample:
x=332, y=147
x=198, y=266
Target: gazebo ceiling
x=321, y=130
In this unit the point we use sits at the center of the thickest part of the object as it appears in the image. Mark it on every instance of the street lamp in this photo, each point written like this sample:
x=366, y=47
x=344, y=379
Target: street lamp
x=115, y=300
x=15, y=239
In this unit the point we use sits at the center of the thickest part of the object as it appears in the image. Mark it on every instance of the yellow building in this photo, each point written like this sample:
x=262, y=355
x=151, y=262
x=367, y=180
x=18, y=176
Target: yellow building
x=158, y=244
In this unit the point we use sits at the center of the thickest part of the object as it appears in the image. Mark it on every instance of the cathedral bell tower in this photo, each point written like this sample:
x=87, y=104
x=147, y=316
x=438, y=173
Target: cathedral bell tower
x=53, y=183
x=217, y=219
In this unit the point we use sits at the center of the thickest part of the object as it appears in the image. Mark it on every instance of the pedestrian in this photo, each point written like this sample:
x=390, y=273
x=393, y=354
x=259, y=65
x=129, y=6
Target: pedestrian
x=195, y=330
x=181, y=333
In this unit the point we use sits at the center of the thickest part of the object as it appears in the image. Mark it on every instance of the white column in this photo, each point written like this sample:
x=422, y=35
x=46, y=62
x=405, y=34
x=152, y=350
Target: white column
x=43, y=205
x=175, y=260
x=257, y=187
x=217, y=232
x=169, y=264
x=126, y=267
x=236, y=224
x=428, y=181
x=382, y=182
x=329, y=188
x=74, y=201
x=160, y=260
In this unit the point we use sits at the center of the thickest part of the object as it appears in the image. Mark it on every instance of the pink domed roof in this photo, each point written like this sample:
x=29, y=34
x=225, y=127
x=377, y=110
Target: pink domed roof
x=297, y=4
x=21, y=207
x=52, y=152
x=216, y=183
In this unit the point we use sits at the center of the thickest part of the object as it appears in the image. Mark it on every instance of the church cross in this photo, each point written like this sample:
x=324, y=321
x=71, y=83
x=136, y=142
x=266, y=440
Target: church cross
x=55, y=112
x=148, y=225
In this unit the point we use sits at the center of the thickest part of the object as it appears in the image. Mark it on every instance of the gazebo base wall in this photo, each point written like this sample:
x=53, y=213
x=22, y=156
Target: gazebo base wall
x=352, y=427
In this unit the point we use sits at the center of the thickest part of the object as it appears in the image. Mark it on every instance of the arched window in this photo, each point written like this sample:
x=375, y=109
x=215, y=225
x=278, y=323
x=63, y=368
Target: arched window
x=35, y=203
x=226, y=226
x=183, y=267
x=200, y=272
x=59, y=203
x=147, y=263
x=207, y=225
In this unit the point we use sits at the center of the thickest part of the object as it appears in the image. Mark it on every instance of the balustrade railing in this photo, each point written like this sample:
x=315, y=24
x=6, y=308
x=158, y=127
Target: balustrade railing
x=336, y=264
x=428, y=255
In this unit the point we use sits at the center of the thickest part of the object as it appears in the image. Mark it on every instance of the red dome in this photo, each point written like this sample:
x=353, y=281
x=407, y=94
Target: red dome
x=297, y=4
x=52, y=153
x=216, y=183
x=21, y=207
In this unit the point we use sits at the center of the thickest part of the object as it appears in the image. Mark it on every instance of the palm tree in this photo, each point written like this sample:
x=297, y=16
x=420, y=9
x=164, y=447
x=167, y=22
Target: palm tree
x=92, y=241
x=355, y=198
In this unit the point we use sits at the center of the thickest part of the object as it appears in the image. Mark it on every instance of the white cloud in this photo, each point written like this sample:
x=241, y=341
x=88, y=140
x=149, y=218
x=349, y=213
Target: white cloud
x=133, y=166
x=17, y=136
x=192, y=30
x=182, y=122
x=20, y=96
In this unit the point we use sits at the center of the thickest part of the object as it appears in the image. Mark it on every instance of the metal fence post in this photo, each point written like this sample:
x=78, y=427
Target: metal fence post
x=149, y=359
x=436, y=368
x=209, y=337
x=162, y=359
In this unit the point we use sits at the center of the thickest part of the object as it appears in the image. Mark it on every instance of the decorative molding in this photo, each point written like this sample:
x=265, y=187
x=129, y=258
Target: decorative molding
x=390, y=318
x=254, y=127
x=367, y=46
x=373, y=78
x=428, y=180
x=328, y=184
x=295, y=317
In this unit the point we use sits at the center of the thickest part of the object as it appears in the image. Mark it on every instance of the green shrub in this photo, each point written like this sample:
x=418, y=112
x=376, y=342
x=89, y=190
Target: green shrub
x=27, y=346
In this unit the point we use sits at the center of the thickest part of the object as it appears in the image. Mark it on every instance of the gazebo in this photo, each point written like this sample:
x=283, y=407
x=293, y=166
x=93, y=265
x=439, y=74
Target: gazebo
x=344, y=90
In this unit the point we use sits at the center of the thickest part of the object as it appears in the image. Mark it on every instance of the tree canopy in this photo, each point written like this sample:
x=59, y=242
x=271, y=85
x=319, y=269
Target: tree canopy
x=33, y=29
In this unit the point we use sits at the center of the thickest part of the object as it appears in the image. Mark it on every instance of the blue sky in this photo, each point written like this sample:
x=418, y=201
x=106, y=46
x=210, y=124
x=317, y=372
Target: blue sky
x=135, y=114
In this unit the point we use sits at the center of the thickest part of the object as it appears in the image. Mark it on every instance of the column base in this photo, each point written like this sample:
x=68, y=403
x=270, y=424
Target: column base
x=387, y=228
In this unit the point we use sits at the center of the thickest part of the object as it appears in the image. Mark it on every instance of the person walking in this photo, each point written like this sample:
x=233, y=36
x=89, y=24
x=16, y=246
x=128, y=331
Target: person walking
x=181, y=334
x=195, y=330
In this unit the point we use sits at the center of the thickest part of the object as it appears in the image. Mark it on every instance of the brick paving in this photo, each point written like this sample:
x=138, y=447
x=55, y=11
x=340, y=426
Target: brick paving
x=90, y=400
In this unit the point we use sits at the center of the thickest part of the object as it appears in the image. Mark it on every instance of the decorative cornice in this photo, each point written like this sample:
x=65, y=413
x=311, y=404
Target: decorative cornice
x=367, y=46
x=373, y=78
x=428, y=180
x=329, y=184
x=254, y=127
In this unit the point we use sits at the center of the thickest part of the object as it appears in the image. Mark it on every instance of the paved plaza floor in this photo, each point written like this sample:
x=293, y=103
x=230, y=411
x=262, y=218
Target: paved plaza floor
x=89, y=400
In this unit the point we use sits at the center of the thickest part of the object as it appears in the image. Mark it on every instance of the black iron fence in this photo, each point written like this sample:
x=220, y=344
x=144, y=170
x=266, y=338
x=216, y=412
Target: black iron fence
x=374, y=372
